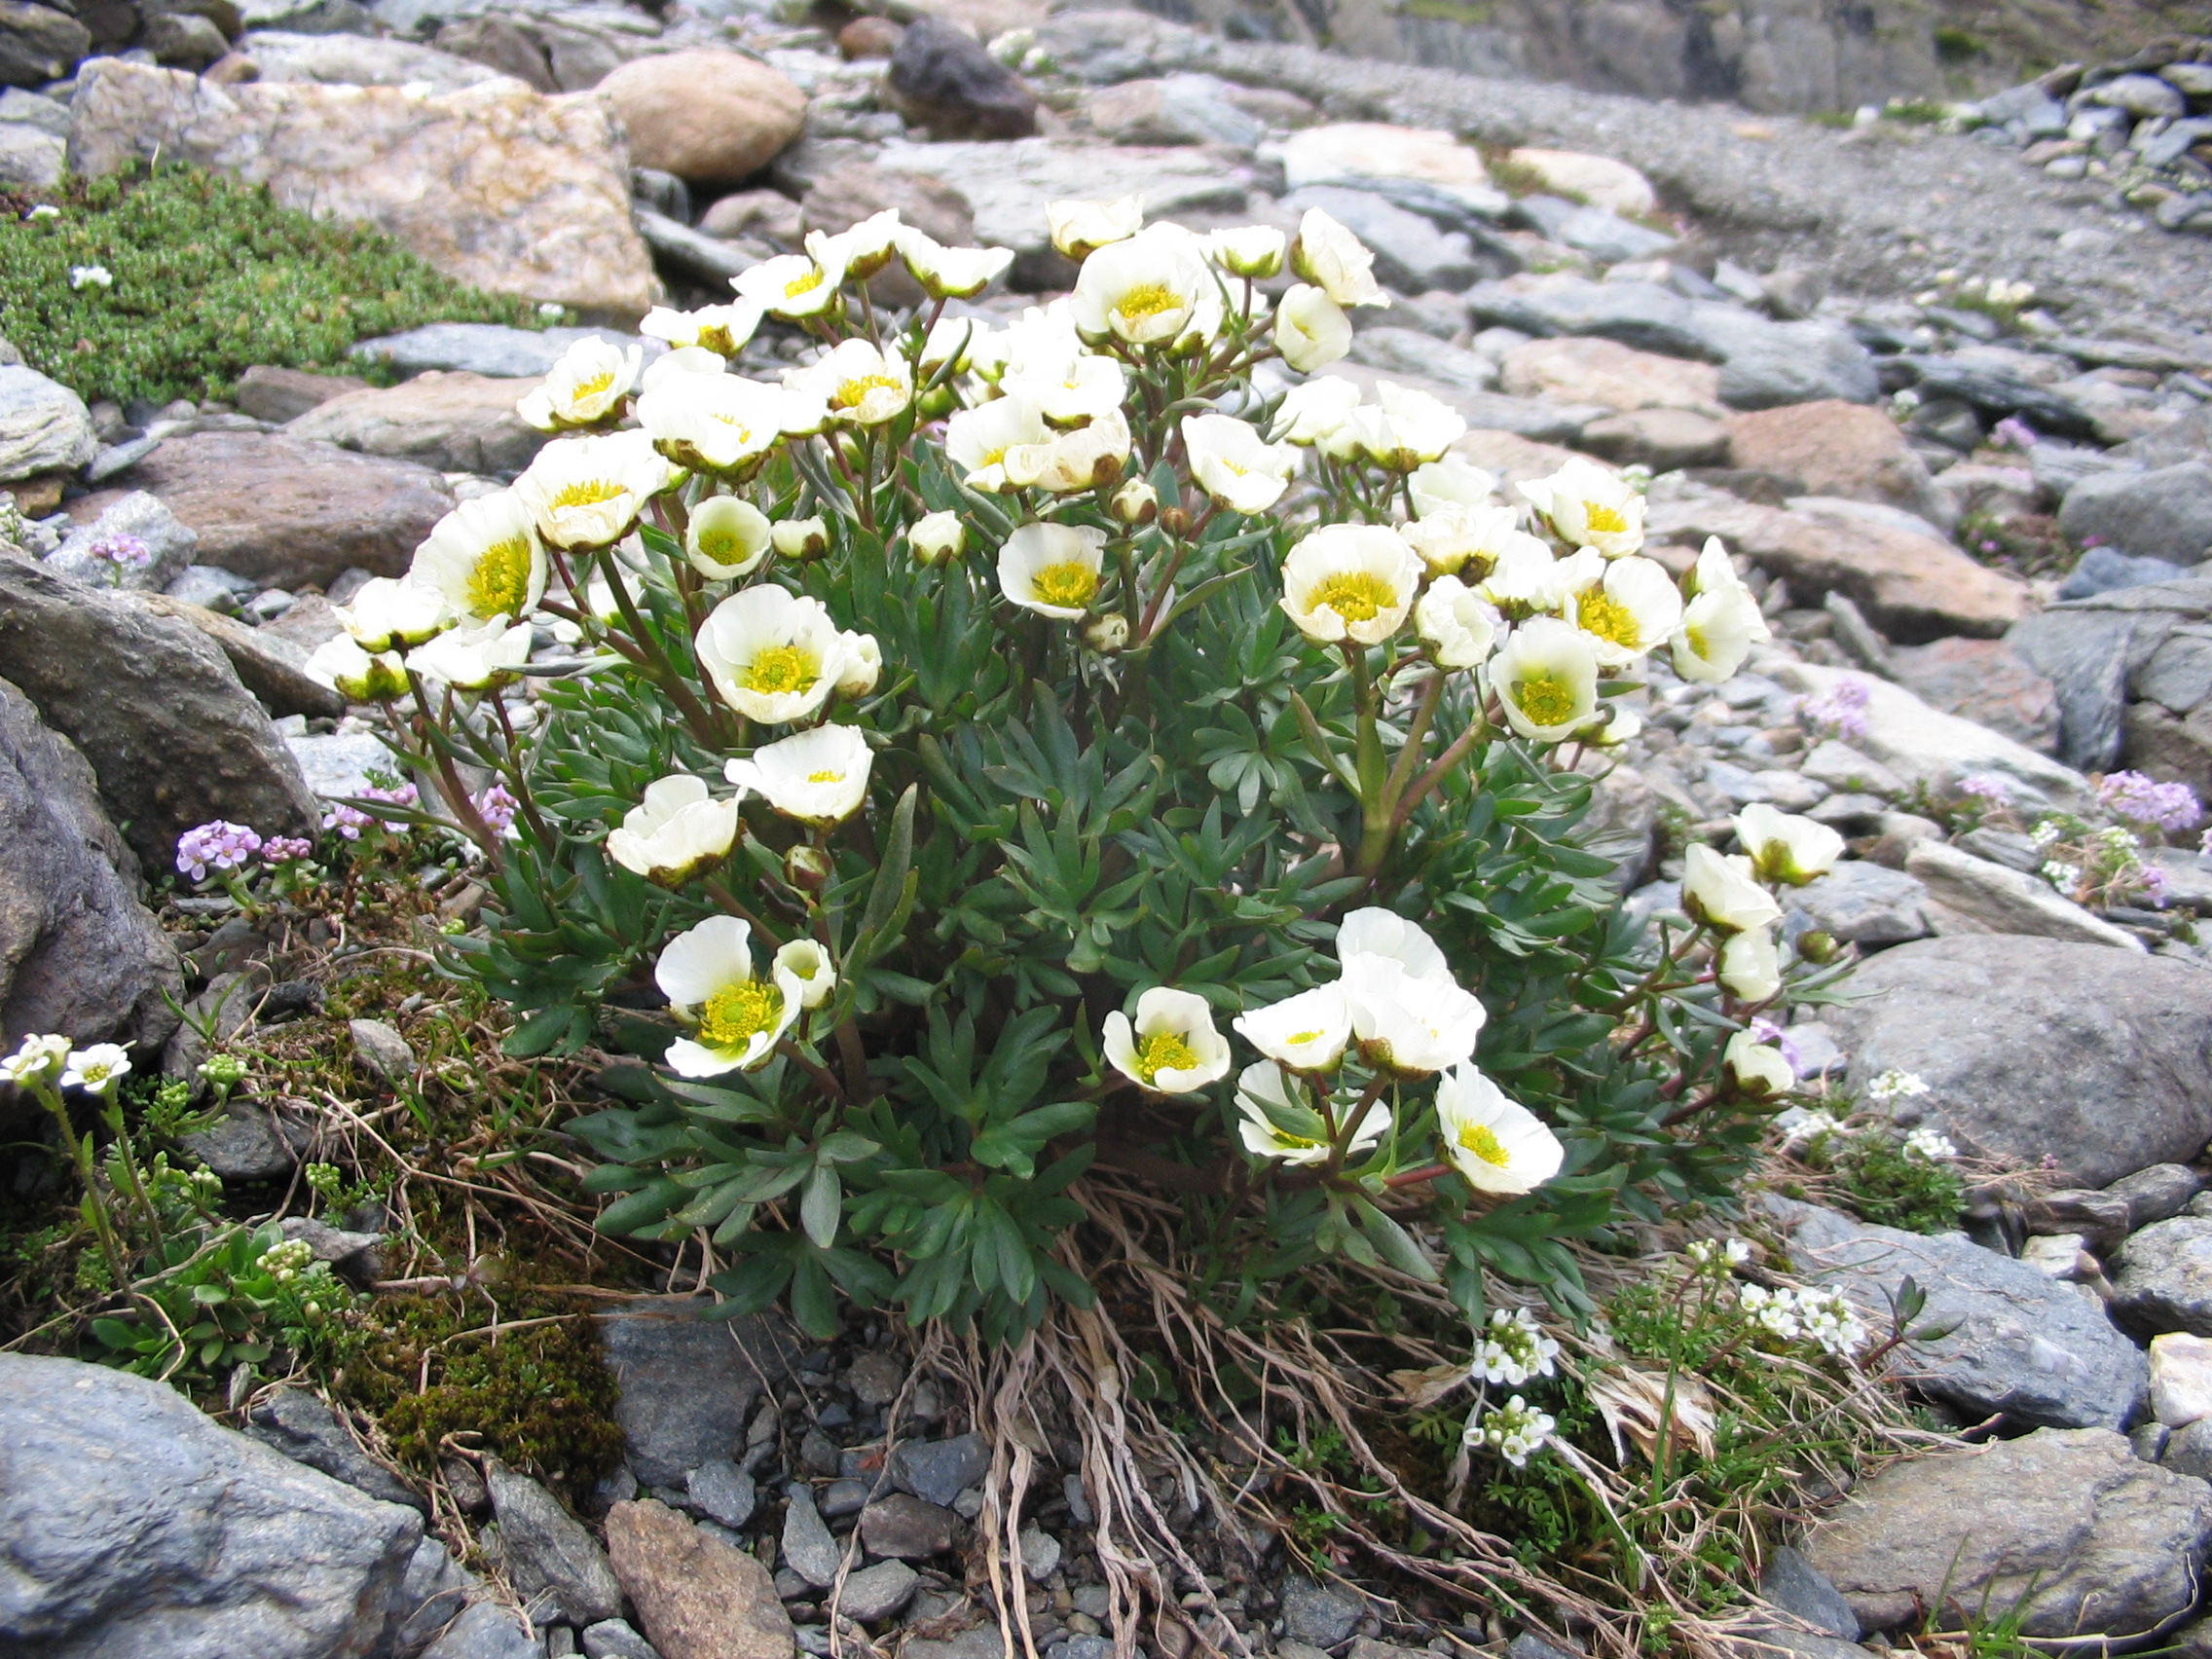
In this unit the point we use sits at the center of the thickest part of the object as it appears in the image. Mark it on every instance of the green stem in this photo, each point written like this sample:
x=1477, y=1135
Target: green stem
x=81, y=1152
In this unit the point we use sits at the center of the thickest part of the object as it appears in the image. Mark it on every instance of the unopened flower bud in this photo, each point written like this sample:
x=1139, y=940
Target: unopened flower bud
x=802, y=538
x=937, y=539
x=1818, y=947
x=1136, y=502
x=1175, y=521
x=1107, y=634
x=807, y=868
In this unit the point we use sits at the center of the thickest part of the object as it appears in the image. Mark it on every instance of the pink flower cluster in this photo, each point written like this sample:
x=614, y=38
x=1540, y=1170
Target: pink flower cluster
x=1983, y=787
x=120, y=550
x=497, y=808
x=219, y=842
x=1839, y=712
x=351, y=820
x=284, y=849
x=2138, y=799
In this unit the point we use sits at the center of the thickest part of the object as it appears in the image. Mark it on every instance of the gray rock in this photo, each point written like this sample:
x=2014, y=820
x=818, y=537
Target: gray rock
x=1040, y=1553
x=337, y=1246
x=722, y=1490
x=1864, y=904
x=936, y=1471
x=907, y=1528
x=1410, y=352
x=1797, y=362
x=808, y=1548
x=2087, y=654
x=384, y=1051
x=245, y=1145
x=79, y=954
x=1174, y=109
x=449, y=423
x=337, y=764
x=2025, y=1344
x=1411, y=255
x=481, y=348
x=293, y=1422
x=875, y=1379
x=2154, y=1194
x=1598, y=232
x=2179, y=673
x=346, y=60
x=18, y=108
x=307, y=16
x=2007, y=847
x=1530, y=1645
x=543, y=1549
x=2165, y=514
x=2141, y=96
x=31, y=156
x=132, y=1525
x=1796, y=1586
x=2188, y=438
x=44, y=425
x=2162, y=1277
x=267, y=663
x=1318, y=1614
x=173, y=737
x=433, y=1590
x=38, y=44
x=167, y=539
x=487, y=1631
x=2189, y=1449
x=613, y=1638
x=182, y=40
x=688, y=1384
x=840, y=1498
x=2067, y=1527
x=209, y=587
x=2100, y=1059
x=878, y=1591
x=2007, y=900
x=942, y=79
x=1995, y=394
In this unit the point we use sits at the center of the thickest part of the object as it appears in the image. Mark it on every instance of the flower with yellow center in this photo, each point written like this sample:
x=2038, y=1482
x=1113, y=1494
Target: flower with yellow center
x=1234, y=464
x=726, y=538
x=978, y=440
x=1589, y=505
x=1069, y=391
x=474, y=658
x=1274, y=1120
x=1306, y=1032
x=1154, y=289
x=1053, y=568
x=484, y=559
x=585, y=388
x=676, y=831
x=1458, y=540
x=801, y=538
x=736, y=1015
x=792, y=286
x=1086, y=459
x=1171, y=1048
x=809, y=964
x=1409, y=1024
x=1079, y=228
x=387, y=614
x=864, y=665
x=721, y=423
x=721, y=329
x=1458, y=626
x=950, y=273
x=586, y=493
x=1311, y=329
x=357, y=674
x=818, y=777
x=1449, y=484
x=770, y=654
x=1373, y=931
x=1314, y=412
x=1524, y=577
x=860, y=250
x=1722, y=889
x=1498, y=1145
x=1785, y=847
x=1721, y=622
x=1403, y=430
x=1335, y=261
x=1546, y=680
x=1628, y=607
x=859, y=385
x=1350, y=582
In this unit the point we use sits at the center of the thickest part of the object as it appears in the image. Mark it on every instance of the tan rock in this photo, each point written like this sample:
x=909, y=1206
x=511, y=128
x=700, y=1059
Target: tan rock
x=1984, y=681
x=843, y=197
x=2171, y=748
x=1835, y=447
x=449, y=423
x=277, y=395
x=1373, y=148
x=708, y=116
x=1583, y=369
x=1661, y=439
x=1598, y=180
x=869, y=36
x=268, y=665
x=766, y=213
x=494, y=185
x=1512, y=457
x=697, y=1597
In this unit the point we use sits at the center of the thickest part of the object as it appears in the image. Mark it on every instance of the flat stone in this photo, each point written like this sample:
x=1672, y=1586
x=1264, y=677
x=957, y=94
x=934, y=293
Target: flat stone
x=449, y=423
x=708, y=115
x=335, y=764
x=2066, y=1525
x=171, y=542
x=614, y=1639
x=697, y=1597
x=1317, y=1614
x=1584, y=370
x=2007, y=900
x=1412, y=256
x=1663, y=440
x=2100, y=1059
x=434, y=1589
x=44, y=425
x=1338, y=152
x=937, y=1471
x=2088, y=653
x=39, y=43
x=1598, y=180
x=268, y=665
x=2024, y=1345
x=488, y=348
x=544, y=1550
x=688, y=1384
x=292, y=513
x=1795, y=1585
x=1842, y=767
x=243, y=1145
x=293, y=1422
x=2162, y=1277
x=808, y=1548
x=487, y=1631
x=30, y=156
x=1174, y=109
x=1605, y=236
x=907, y=1528
x=380, y=1047
x=1998, y=394
x=348, y=59
x=875, y=1379
x=2105, y=570
x=1864, y=904
x=278, y=394
x=2181, y=1379
x=1838, y=449
x=2154, y=1194
x=2165, y=514
x=1410, y=352
x=724, y=1491
x=494, y=184
x=1988, y=681
x=878, y=1591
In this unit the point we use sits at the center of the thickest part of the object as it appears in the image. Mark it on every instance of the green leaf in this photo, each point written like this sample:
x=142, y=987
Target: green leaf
x=820, y=1204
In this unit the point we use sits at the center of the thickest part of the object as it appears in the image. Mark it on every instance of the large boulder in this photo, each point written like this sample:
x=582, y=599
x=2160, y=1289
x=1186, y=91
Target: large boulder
x=1984, y=681
x=942, y=78
x=173, y=737
x=38, y=42
x=2153, y=642
x=688, y=1384
x=2100, y=1060
x=2066, y=1531
x=290, y=512
x=44, y=425
x=348, y=60
x=1833, y=448
x=129, y=1523
x=2165, y=514
x=708, y=115
x=78, y=952
x=449, y=423
x=494, y=184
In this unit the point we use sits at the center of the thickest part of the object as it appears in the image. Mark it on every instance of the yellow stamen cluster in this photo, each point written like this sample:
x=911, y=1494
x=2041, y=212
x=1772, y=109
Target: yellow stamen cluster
x=1481, y=1140
x=1163, y=1051
x=1070, y=584
x=779, y=669
x=589, y=492
x=1606, y=616
x=854, y=393
x=499, y=585
x=1605, y=520
x=1152, y=299
x=1545, y=699
x=737, y=1013
x=1357, y=596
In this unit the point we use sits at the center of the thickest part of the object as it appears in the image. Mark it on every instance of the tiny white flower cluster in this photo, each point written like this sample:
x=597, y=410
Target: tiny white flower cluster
x=82, y=277
x=1931, y=1144
x=1516, y=1430
x=1716, y=1257
x=1515, y=1350
x=288, y=1260
x=2061, y=874
x=1896, y=1086
x=1803, y=1127
x=48, y=1060
x=1811, y=1315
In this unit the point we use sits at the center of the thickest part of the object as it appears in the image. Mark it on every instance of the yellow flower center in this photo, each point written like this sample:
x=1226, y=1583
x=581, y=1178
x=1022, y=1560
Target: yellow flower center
x=1481, y=1140
x=722, y=546
x=737, y=1013
x=825, y=777
x=1546, y=699
x=806, y=284
x=588, y=493
x=1298, y=1039
x=1605, y=520
x=1357, y=596
x=1297, y=1142
x=1600, y=614
x=777, y=670
x=1069, y=585
x=585, y=389
x=499, y=585
x=715, y=338
x=1150, y=299
x=1163, y=1051
x=855, y=393
x=1697, y=638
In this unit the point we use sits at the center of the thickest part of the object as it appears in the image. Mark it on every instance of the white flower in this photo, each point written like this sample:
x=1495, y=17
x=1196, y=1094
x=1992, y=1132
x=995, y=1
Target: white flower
x=1774, y=1311
x=39, y=1060
x=801, y=538
x=857, y=382
x=792, y=286
x=950, y=273
x=809, y=964
x=1546, y=678
x=1716, y=1259
x=1458, y=625
x=1311, y=329
x=726, y=538
x=82, y=277
x=1896, y=1086
x=1924, y=1142
x=937, y=538
x=1079, y=227
x=1409, y=1024
x=1524, y=577
x=484, y=559
x=737, y=1017
x=1314, y=412
x=721, y=329
x=474, y=658
x=1306, y=1032
x=2060, y=875
x=1759, y=1068
x=1264, y=1086
x=1406, y=429
x=97, y=1070
x=1450, y=483
x=675, y=832
x=858, y=250
x=1628, y=606
x=44, y=210
x=357, y=674
x=716, y=423
x=1335, y=261
x=1171, y=1048
x=818, y=777
x=773, y=656
x=385, y=614
x=1723, y=889
x=1067, y=392
x=684, y=362
x=978, y=440
x=1085, y=459
x=1449, y=539
x=1254, y=251
x=1827, y=1318
x=1498, y=1145
x=1721, y=621
x=1514, y=1351
x=1234, y=464
x=1590, y=506
x=1374, y=932
x=1153, y=289
x=864, y=665
x=1786, y=847
x=1750, y=967
x=1516, y=1430
x=1350, y=582
x=586, y=493
x=589, y=381
x=1053, y=568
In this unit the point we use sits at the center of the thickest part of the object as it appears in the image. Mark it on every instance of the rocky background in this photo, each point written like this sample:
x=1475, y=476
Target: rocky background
x=1985, y=511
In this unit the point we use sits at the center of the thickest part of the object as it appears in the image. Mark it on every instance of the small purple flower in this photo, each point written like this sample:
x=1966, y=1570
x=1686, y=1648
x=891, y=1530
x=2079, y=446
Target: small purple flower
x=2012, y=432
x=1838, y=712
x=2153, y=881
x=1988, y=546
x=1764, y=1030
x=2143, y=800
x=1983, y=787
x=285, y=849
x=220, y=844
x=497, y=808
x=348, y=820
x=122, y=550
